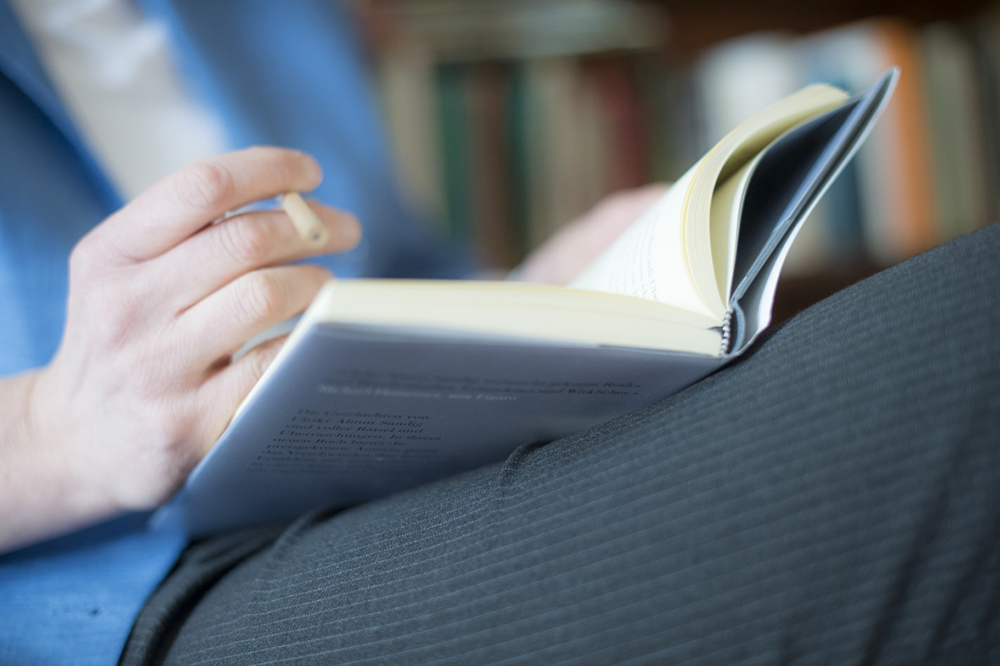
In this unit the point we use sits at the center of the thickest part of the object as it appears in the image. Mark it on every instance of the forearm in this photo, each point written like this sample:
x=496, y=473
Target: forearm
x=41, y=494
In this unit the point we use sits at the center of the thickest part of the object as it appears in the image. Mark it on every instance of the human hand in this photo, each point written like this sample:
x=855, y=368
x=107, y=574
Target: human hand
x=575, y=246
x=159, y=299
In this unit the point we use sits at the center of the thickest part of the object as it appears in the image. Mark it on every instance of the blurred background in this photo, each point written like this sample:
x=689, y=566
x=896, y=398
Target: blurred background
x=509, y=118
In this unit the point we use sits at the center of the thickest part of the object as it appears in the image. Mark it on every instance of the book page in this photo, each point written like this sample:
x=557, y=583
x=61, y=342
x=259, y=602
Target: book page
x=791, y=177
x=668, y=255
x=727, y=204
x=647, y=260
x=728, y=157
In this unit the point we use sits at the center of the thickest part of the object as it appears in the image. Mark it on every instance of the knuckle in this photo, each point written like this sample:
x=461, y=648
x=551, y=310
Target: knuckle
x=114, y=331
x=98, y=252
x=121, y=322
x=246, y=243
x=263, y=296
x=106, y=310
x=82, y=259
x=206, y=185
x=140, y=368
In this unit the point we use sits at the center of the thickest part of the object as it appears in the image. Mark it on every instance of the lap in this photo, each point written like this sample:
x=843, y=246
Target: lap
x=834, y=496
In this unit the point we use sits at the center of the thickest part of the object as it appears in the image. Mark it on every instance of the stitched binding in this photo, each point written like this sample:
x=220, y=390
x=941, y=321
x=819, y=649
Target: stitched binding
x=727, y=327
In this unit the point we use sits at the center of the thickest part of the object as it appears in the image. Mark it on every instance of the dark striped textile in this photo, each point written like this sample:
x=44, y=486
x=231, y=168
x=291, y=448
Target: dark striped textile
x=831, y=498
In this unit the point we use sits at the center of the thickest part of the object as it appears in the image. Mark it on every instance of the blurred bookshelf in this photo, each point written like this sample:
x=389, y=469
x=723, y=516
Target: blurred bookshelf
x=510, y=118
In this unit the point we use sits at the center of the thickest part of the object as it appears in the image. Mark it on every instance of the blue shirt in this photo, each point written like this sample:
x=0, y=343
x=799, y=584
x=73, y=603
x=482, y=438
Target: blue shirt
x=286, y=74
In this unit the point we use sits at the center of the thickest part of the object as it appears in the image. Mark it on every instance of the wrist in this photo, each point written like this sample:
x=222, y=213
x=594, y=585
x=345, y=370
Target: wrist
x=42, y=490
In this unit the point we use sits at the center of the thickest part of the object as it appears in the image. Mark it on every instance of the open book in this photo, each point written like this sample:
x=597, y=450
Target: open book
x=387, y=384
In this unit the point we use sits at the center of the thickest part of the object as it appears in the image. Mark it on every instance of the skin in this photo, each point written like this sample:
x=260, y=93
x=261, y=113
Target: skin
x=160, y=298
x=143, y=381
x=564, y=256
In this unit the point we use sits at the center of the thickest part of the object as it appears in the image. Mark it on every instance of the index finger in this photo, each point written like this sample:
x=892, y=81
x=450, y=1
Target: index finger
x=184, y=202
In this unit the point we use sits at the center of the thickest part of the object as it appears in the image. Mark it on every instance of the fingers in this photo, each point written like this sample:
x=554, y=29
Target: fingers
x=222, y=252
x=184, y=202
x=218, y=325
x=231, y=385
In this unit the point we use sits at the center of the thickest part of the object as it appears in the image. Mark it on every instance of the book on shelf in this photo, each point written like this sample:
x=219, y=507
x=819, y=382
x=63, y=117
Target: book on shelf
x=929, y=172
x=387, y=384
x=957, y=129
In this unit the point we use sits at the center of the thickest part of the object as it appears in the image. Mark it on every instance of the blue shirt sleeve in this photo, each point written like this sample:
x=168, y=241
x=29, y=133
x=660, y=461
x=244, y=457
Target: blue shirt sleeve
x=289, y=74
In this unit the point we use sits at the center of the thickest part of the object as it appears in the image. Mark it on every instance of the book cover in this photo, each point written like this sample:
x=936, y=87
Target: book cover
x=386, y=384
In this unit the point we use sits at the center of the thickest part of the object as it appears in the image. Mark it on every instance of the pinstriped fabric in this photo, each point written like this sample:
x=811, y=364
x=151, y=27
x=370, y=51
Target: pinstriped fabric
x=834, y=497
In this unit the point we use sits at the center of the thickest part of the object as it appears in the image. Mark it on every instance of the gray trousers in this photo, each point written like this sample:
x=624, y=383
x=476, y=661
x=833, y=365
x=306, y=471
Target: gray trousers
x=833, y=497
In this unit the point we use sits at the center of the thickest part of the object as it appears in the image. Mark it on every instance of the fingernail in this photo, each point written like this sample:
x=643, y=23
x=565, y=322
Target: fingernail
x=350, y=229
x=316, y=169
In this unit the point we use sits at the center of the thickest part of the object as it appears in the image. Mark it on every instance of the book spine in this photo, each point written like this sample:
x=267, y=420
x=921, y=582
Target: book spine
x=727, y=333
x=453, y=113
